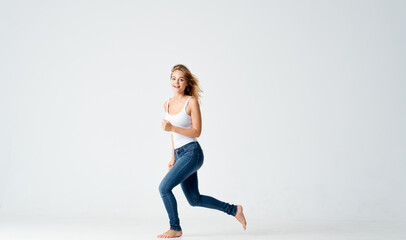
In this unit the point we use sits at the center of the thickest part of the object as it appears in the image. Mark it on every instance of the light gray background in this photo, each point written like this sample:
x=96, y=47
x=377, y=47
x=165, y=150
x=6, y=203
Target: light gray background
x=303, y=108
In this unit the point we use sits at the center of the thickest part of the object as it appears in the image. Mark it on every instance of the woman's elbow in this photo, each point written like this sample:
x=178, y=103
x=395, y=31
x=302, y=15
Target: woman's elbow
x=197, y=133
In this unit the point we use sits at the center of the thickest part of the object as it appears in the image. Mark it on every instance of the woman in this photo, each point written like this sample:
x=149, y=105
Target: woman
x=183, y=119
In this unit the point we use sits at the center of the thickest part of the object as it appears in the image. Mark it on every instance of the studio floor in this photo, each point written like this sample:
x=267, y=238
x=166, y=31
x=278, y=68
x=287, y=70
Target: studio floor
x=42, y=227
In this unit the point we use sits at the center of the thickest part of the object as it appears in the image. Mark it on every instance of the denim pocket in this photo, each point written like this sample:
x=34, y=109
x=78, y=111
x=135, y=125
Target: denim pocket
x=191, y=148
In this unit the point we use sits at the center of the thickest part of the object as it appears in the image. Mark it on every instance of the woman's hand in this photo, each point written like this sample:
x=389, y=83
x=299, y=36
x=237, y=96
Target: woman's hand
x=166, y=125
x=171, y=163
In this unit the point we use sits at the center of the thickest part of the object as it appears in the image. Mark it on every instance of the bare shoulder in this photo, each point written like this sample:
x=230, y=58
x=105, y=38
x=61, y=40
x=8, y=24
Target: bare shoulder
x=193, y=105
x=193, y=101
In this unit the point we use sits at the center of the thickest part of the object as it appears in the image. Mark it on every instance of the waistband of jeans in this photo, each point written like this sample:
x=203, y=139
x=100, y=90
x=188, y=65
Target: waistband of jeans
x=180, y=149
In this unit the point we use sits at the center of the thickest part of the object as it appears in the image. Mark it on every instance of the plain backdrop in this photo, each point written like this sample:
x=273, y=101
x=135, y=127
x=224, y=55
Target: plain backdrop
x=303, y=108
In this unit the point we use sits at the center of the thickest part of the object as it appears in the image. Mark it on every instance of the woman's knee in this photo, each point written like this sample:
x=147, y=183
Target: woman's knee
x=164, y=188
x=194, y=201
x=161, y=187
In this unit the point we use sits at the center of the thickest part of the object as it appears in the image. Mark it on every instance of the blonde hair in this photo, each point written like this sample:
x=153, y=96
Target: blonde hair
x=192, y=88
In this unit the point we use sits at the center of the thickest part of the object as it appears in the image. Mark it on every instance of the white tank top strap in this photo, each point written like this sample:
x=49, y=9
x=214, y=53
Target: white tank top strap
x=187, y=101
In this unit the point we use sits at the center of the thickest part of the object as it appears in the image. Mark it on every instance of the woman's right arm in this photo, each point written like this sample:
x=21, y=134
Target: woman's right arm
x=173, y=160
x=173, y=154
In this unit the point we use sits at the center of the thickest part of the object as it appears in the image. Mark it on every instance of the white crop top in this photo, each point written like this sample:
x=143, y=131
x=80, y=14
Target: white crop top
x=182, y=120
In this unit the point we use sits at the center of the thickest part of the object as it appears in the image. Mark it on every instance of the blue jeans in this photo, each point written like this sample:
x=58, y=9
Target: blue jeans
x=189, y=158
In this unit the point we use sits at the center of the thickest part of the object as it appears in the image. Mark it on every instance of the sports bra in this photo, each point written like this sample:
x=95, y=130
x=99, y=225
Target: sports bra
x=182, y=120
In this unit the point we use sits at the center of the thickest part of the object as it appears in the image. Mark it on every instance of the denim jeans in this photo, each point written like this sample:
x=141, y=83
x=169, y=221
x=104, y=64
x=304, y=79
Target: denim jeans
x=189, y=158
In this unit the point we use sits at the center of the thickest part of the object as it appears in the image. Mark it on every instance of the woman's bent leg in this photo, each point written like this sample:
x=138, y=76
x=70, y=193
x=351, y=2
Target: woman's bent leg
x=191, y=190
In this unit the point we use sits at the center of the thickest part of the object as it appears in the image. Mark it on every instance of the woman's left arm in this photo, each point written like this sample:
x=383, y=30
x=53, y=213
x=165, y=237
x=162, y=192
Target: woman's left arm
x=196, y=121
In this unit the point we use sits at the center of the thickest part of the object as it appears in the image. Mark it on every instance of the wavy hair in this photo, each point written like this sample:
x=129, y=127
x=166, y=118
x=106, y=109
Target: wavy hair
x=192, y=88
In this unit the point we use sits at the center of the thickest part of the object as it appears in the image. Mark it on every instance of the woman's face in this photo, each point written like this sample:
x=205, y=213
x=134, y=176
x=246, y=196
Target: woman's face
x=178, y=82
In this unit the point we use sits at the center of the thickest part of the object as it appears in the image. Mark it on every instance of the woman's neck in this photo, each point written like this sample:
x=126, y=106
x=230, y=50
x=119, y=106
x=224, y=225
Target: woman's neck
x=178, y=97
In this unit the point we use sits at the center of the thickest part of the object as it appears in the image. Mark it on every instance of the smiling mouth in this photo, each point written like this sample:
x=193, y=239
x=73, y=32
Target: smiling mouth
x=176, y=86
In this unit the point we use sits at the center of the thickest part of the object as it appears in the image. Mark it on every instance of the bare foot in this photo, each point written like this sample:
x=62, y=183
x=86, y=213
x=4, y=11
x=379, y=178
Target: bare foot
x=240, y=216
x=170, y=234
